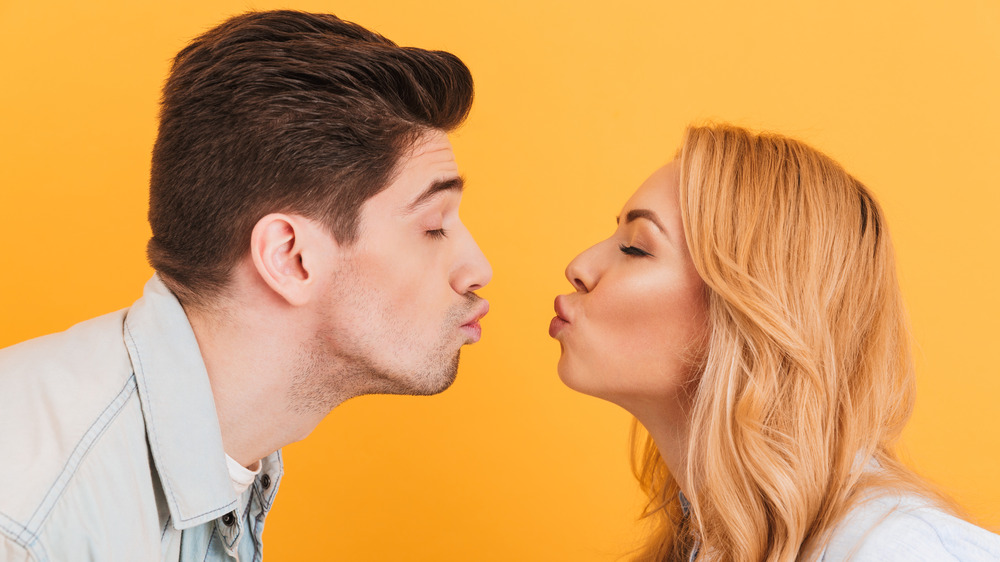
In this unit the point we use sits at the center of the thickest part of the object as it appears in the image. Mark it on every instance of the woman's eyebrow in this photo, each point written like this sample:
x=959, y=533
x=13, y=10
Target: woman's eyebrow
x=644, y=214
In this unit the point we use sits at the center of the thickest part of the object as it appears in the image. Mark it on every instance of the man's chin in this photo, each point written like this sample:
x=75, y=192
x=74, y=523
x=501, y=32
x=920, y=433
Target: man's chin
x=445, y=378
x=432, y=380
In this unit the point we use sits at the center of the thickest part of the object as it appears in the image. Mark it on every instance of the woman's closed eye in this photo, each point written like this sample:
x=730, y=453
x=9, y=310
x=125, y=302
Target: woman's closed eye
x=633, y=251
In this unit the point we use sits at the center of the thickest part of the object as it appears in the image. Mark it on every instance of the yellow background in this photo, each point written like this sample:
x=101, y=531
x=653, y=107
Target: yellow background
x=576, y=103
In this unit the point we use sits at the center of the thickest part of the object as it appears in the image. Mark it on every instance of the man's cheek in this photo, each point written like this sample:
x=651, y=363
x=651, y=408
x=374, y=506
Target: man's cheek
x=408, y=294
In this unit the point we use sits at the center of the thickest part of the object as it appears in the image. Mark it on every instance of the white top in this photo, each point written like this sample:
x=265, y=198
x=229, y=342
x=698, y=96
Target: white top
x=241, y=476
x=907, y=528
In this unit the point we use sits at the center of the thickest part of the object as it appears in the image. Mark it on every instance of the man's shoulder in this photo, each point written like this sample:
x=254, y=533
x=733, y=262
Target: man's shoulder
x=76, y=342
x=58, y=392
x=90, y=355
x=45, y=377
x=894, y=527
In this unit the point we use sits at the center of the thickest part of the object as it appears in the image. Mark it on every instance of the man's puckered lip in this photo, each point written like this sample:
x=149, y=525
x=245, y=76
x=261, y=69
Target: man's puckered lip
x=481, y=310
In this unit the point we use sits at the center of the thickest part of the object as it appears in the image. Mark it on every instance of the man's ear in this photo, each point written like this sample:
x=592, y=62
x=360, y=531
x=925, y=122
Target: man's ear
x=278, y=245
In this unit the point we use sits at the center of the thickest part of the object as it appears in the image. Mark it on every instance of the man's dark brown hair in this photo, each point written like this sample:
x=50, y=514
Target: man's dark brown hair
x=284, y=112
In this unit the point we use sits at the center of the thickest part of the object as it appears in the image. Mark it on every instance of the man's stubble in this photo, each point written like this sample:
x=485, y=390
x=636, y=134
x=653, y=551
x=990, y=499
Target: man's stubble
x=342, y=362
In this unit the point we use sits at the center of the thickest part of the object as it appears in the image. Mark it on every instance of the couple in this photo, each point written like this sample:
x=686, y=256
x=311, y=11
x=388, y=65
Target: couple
x=304, y=206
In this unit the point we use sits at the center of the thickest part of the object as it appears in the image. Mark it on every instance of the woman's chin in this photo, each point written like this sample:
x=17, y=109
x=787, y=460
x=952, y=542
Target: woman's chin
x=580, y=380
x=567, y=374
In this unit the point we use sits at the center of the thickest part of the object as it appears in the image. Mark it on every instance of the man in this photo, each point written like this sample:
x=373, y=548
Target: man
x=304, y=208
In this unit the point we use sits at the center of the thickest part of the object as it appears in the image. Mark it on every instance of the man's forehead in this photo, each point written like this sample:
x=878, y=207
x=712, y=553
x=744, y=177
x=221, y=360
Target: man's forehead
x=431, y=149
x=427, y=169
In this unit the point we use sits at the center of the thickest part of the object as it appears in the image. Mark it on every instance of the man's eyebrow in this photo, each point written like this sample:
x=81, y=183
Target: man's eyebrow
x=644, y=214
x=457, y=182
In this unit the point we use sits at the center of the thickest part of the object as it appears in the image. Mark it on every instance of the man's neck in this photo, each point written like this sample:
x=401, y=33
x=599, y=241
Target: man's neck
x=250, y=367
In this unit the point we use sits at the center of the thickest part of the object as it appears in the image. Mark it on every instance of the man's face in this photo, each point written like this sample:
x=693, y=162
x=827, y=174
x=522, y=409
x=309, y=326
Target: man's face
x=402, y=303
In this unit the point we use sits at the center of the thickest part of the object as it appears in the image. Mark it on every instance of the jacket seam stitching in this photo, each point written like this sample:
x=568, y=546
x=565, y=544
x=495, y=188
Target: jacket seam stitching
x=12, y=529
x=84, y=446
x=88, y=440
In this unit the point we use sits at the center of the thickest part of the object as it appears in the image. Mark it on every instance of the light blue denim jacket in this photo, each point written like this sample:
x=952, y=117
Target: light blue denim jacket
x=112, y=448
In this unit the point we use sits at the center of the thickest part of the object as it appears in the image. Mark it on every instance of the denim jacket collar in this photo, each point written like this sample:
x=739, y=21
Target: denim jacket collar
x=182, y=426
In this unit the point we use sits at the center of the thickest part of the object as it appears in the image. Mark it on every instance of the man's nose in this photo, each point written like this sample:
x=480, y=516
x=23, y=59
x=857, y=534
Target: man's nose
x=474, y=271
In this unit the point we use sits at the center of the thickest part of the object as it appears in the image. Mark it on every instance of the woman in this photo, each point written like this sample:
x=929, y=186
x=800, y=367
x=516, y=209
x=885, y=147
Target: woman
x=746, y=311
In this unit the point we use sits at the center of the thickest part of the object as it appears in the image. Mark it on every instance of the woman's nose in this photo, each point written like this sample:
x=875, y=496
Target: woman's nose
x=582, y=271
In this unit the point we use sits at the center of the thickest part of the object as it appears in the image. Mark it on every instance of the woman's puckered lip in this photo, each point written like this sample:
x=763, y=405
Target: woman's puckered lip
x=560, y=308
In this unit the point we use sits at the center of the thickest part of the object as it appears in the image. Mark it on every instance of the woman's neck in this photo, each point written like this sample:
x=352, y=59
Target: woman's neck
x=668, y=423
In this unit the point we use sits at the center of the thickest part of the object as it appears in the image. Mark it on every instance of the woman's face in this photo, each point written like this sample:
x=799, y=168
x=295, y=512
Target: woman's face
x=635, y=327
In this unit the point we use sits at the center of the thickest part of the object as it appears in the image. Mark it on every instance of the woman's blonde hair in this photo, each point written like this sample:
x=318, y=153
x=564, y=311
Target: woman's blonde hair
x=807, y=375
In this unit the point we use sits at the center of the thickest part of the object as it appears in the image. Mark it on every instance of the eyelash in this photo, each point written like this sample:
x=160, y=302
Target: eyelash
x=438, y=233
x=633, y=251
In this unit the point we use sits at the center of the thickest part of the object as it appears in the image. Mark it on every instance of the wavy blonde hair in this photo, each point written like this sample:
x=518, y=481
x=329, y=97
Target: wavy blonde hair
x=808, y=370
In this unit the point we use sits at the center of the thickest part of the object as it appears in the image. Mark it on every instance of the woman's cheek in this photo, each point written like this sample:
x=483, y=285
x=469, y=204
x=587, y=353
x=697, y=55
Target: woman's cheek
x=642, y=306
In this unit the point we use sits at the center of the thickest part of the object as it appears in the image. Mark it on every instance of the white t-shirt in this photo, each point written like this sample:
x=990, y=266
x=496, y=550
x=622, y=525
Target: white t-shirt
x=241, y=476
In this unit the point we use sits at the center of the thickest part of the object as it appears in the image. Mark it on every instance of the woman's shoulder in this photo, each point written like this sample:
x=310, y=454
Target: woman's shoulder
x=893, y=527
